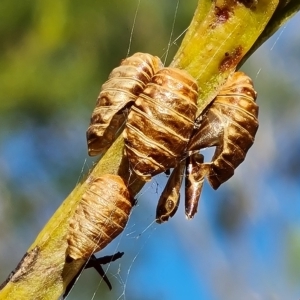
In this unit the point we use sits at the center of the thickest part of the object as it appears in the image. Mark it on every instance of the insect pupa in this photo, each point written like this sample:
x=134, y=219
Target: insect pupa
x=100, y=216
x=122, y=88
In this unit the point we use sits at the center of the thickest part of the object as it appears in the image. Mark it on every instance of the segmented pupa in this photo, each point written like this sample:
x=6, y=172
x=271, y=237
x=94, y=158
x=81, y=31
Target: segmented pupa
x=100, y=217
x=123, y=86
x=230, y=124
x=160, y=122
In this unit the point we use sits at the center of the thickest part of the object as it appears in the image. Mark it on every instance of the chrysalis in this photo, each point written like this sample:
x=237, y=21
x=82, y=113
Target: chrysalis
x=194, y=179
x=100, y=217
x=230, y=124
x=169, y=200
x=121, y=89
x=160, y=122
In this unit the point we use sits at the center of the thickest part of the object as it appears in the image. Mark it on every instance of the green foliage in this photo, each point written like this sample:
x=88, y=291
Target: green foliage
x=54, y=54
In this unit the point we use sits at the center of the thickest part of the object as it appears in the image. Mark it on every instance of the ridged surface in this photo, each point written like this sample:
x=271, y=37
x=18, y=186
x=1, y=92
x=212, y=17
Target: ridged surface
x=170, y=197
x=194, y=179
x=160, y=122
x=230, y=124
x=100, y=217
x=122, y=88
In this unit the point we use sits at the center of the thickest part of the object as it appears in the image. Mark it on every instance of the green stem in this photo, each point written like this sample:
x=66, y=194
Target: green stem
x=284, y=12
x=219, y=42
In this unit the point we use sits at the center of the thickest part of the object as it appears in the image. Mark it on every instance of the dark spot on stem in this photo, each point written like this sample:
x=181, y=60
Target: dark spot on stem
x=24, y=267
x=224, y=11
x=231, y=59
x=222, y=14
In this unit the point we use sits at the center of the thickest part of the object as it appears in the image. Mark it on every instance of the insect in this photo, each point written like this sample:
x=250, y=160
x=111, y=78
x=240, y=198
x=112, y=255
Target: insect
x=230, y=124
x=95, y=263
x=161, y=131
x=170, y=197
x=161, y=122
x=164, y=105
x=121, y=89
x=100, y=217
x=169, y=200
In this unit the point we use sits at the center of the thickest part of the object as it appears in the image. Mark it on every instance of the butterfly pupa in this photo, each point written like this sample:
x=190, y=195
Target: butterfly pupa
x=160, y=122
x=122, y=88
x=101, y=215
x=230, y=124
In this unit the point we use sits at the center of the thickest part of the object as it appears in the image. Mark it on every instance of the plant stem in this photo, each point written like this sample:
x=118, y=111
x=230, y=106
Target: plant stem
x=220, y=35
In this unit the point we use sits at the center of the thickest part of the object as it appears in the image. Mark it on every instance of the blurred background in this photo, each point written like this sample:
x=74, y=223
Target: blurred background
x=244, y=242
